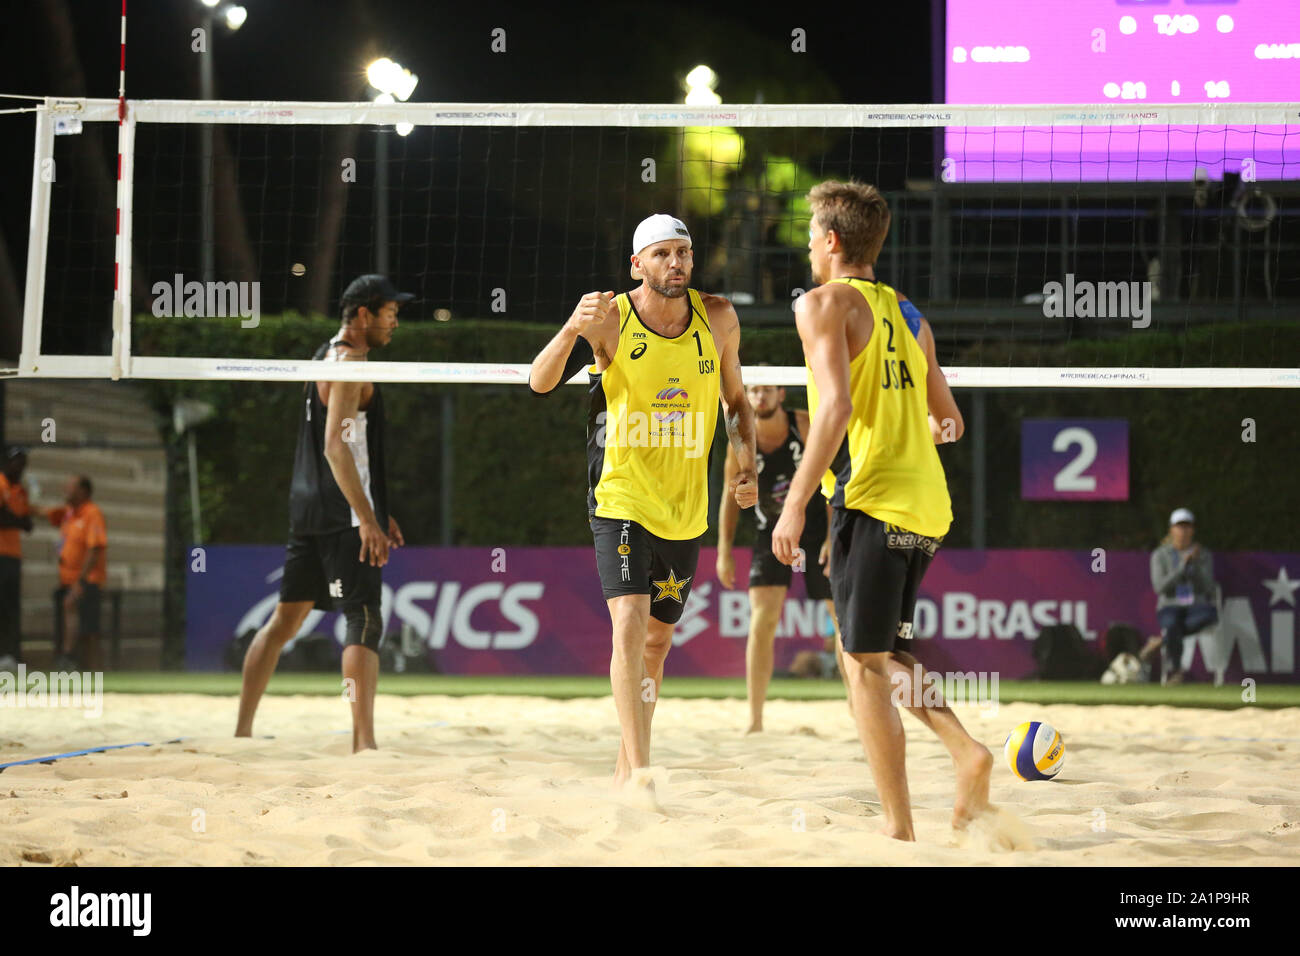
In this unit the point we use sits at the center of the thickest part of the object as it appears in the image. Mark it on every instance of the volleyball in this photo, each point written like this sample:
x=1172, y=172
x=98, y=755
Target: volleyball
x=1035, y=751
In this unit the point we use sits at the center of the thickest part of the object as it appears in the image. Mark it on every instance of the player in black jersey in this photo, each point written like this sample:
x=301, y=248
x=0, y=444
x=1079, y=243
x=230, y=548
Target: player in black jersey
x=340, y=530
x=780, y=434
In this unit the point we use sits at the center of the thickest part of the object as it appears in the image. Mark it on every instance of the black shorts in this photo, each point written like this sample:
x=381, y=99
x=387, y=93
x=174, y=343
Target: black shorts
x=876, y=569
x=631, y=560
x=87, y=608
x=765, y=570
x=325, y=569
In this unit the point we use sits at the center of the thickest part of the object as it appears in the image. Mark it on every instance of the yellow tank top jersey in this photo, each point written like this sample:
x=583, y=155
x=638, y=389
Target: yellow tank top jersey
x=649, y=458
x=889, y=467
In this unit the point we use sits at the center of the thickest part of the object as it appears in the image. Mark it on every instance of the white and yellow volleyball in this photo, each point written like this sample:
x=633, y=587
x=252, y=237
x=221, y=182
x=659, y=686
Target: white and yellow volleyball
x=1035, y=751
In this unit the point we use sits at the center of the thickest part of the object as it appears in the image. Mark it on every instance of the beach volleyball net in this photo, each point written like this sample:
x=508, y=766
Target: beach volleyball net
x=1134, y=245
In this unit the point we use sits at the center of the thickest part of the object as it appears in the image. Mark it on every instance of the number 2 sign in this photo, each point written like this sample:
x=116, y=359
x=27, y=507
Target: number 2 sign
x=1074, y=459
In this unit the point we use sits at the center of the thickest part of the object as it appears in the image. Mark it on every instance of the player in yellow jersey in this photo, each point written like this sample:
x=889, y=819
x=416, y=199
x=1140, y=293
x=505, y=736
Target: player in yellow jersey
x=660, y=357
x=879, y=404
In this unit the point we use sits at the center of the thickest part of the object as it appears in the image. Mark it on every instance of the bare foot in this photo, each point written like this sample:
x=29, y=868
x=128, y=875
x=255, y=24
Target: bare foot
x=755, y=728
x=996, y=830
x=895, y=832
x=640, y=789
x=973, y=770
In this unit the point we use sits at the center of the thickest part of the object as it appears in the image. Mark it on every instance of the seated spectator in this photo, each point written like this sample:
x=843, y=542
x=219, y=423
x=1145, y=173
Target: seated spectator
x=83, y=572
x=1182, y=575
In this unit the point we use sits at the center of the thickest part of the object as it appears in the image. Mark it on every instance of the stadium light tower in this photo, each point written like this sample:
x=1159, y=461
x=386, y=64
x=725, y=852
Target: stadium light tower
x=700, y=84
x=391, y=82
x=235, y=16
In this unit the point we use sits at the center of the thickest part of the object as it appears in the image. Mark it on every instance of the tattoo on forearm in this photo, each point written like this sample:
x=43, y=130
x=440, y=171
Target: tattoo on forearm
x=732, y=420
x=738, y=440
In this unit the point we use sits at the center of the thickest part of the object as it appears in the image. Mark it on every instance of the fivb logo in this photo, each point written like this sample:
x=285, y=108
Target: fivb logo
x=209, y=300
x=1098, y=300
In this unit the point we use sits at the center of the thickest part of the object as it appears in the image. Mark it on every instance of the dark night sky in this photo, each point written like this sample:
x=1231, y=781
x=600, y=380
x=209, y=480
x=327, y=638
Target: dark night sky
x=316, y=50
x=612, y=52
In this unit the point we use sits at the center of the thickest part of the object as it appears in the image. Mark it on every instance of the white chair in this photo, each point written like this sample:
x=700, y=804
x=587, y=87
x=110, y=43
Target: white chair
x=1215, y=646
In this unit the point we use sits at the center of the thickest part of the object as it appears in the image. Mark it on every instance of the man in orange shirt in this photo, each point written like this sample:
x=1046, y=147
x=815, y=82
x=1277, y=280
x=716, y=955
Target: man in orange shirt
x=14, y=517
x=83, y=567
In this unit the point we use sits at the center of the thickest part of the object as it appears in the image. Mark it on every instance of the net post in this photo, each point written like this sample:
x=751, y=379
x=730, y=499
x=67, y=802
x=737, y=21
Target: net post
x=37, y=242
x=126, y=214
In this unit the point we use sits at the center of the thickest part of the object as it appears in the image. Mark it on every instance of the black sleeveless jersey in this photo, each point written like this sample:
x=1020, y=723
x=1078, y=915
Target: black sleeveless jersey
x=316, y=503
x=775, y=471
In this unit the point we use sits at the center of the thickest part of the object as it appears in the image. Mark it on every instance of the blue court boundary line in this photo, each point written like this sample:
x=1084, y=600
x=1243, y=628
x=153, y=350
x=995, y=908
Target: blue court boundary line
x=145, y=743
x=81, y=753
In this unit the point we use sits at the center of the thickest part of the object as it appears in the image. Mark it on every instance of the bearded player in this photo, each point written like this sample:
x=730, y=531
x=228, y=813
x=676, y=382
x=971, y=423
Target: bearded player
x=780, y=434
x=661, y=357
x=879, y=404
x=340, y=531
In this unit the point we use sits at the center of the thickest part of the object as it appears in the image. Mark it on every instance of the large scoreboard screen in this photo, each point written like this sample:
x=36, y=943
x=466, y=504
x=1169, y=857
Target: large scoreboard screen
x=1125, y=53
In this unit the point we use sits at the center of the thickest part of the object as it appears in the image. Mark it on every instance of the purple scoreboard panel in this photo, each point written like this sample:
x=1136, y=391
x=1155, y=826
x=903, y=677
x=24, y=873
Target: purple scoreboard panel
x=1074, y=459
x=1123, y=53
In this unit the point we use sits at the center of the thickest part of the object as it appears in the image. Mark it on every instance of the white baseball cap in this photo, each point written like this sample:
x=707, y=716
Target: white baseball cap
x=657, y=228
x=1180, y=515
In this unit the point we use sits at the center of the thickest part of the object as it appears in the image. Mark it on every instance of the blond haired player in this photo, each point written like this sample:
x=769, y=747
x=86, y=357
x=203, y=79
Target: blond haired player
x=661, y=357
x=879, y=404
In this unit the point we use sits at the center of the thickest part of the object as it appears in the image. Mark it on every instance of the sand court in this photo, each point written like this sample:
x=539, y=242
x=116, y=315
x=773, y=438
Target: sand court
x=512, y=780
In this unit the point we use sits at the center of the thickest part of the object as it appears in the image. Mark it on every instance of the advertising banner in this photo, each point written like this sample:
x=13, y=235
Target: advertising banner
x=522, y=610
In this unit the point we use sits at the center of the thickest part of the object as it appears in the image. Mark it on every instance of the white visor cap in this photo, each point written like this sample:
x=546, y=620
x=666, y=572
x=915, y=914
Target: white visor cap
x=654, y=229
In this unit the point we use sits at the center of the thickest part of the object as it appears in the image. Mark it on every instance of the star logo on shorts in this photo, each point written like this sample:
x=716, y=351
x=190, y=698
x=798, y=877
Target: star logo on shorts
x=671, y=588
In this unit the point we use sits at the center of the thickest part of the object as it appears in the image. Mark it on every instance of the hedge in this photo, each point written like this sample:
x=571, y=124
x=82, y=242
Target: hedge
x=519, y=460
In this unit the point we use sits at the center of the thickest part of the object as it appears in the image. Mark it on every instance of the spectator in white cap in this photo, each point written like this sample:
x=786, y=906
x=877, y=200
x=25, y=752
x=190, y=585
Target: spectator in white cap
x=1182, y=575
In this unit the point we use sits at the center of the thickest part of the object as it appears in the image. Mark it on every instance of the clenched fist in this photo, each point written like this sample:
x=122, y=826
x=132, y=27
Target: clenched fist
x=593, y=309
x=745, y=487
